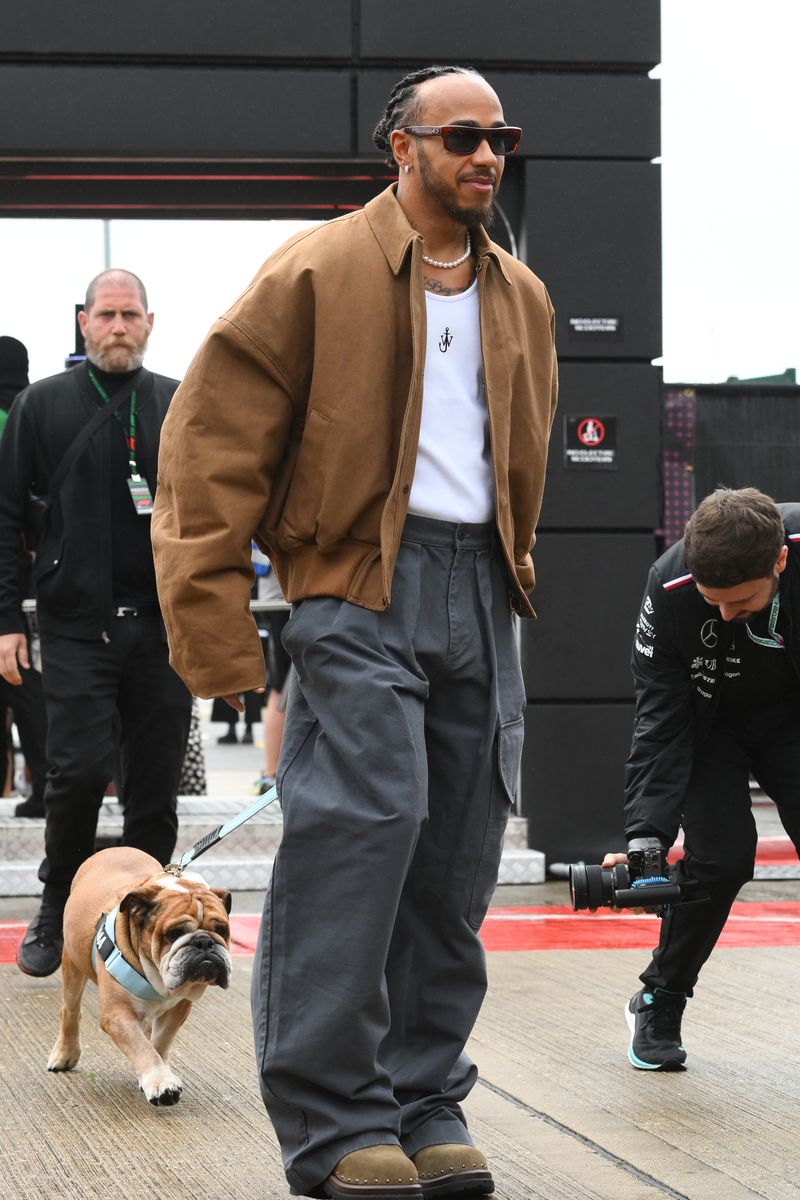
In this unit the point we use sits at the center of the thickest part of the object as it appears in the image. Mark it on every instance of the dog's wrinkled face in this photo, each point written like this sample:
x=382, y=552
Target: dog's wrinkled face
x=181, y=925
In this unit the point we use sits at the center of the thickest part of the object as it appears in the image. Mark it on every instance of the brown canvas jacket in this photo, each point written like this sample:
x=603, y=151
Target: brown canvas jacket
x=298, y=423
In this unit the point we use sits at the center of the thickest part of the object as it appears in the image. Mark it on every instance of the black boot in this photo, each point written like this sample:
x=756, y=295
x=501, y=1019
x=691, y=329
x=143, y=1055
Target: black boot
x=39, y=952
x=31, y=807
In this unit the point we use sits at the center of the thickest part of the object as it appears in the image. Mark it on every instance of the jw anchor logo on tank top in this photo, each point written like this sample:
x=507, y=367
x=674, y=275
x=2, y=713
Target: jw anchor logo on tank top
x=446, y=340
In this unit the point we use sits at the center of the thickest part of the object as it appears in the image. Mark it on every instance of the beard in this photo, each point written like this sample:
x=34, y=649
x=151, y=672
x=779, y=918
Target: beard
x=116, y=355
x=480, y=213
x=748, y=616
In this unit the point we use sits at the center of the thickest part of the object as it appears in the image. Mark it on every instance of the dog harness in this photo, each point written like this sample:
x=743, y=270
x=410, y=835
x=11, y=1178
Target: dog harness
x=104, y=942
x=118, y=967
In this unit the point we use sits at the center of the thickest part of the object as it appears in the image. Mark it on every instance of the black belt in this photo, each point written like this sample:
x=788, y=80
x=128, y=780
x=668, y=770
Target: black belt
x=126, y=610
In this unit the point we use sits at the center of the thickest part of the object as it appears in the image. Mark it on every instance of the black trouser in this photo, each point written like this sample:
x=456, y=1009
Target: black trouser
x=720, y=833
x=26, y=701
x=95, y=692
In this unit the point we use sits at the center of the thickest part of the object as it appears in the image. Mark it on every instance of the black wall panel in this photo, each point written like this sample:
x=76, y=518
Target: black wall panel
x=594, y=237
x=173, y=111
x=622, y=32
x=588, y=591
x=747, y=437
x=562, y=115
x=180, y=29
x=588, y=497
x=573, y=767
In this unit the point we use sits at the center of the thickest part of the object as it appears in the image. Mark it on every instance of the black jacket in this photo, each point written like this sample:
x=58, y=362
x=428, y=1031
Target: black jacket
x=72, y=573
x=678, y=654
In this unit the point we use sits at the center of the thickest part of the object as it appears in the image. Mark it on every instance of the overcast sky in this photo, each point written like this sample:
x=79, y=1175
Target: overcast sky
x=731, y=188
x=730, y=200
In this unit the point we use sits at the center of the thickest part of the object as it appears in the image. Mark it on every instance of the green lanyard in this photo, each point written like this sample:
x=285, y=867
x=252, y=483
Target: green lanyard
x=774, y=641
x=130, y=436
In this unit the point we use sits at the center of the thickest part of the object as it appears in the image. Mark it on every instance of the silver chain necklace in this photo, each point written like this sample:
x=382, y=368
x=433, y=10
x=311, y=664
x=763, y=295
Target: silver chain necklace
x=433, y=262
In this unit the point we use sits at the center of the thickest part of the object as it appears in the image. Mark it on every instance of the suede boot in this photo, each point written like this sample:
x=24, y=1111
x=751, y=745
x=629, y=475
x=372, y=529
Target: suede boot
x=374, y=1173
x=453, y=1170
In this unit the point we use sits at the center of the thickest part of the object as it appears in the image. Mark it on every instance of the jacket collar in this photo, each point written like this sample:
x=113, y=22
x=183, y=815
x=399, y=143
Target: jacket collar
x=396, y=235
x=80, y=373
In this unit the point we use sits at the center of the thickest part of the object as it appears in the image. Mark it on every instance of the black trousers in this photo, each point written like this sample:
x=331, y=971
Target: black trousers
x=100, y=695
x=720, y=833
x=27, y=705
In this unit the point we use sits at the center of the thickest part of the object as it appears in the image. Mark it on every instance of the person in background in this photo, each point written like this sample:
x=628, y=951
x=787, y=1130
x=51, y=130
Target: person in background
x=104, y=655
x=13, y=374
x=252, y=701
x=272, y=623
x=24, y=703
x=716, y=664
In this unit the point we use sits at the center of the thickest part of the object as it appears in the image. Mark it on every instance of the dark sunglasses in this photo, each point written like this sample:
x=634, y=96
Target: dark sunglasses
x=465, y=139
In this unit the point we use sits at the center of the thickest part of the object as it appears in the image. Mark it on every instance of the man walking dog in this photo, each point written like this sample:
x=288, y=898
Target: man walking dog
x=375, y=411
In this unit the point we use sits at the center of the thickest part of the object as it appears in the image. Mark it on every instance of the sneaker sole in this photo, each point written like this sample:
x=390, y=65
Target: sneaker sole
x=669, y=1064
x=36, y=974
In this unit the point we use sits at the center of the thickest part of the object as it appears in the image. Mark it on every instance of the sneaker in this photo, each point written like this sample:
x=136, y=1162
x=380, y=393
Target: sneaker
x=30, y=808
x=654, y=1019
x=39, y=952
x=263, y=784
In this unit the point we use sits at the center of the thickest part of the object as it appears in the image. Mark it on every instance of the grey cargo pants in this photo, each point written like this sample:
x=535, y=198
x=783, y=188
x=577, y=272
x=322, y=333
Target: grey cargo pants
x=399, y=761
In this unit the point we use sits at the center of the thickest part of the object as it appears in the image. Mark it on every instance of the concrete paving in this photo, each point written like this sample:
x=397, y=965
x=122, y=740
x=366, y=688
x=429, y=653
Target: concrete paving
x=557, y=1108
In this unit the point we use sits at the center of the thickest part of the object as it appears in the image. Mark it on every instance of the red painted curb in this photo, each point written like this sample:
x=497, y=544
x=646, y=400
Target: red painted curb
x=553, y=928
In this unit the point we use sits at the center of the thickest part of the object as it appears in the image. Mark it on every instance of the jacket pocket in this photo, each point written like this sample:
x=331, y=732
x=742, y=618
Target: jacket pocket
x=300, y=518
x=48, y=561
x=509, y=755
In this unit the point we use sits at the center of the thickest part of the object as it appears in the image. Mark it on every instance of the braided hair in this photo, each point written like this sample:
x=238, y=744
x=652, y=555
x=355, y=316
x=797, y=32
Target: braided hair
x=403, y=108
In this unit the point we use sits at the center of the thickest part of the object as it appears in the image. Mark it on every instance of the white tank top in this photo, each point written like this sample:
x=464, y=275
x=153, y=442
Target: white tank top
x=453, y=477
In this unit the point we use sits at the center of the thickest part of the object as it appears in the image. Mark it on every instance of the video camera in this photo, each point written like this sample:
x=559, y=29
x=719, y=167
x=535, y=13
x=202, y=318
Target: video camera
x=645, y=881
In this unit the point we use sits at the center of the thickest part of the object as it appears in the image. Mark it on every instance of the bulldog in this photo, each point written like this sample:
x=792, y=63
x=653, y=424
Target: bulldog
x=172, y=939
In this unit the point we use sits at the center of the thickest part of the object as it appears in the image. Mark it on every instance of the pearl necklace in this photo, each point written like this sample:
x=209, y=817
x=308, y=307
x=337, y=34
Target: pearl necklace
x=433, y=262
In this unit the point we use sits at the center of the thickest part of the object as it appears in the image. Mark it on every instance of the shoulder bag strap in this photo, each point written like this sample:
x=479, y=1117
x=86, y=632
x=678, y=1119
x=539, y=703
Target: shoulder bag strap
x=88, y=431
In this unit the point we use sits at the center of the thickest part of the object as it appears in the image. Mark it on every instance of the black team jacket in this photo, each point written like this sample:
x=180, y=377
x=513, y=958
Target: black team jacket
x=678, y=657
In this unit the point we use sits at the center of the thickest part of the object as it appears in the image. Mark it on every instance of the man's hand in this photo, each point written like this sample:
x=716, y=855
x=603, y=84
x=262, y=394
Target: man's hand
x=610, y=860
x=13, y=655
x=236, y=701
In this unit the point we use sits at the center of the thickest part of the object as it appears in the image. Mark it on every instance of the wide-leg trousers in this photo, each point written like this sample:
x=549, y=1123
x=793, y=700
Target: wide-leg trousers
x=398, y=767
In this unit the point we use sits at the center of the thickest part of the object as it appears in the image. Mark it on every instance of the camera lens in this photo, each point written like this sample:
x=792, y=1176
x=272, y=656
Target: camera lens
x=578, y=887
x=593, y=886
x=589, y=887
